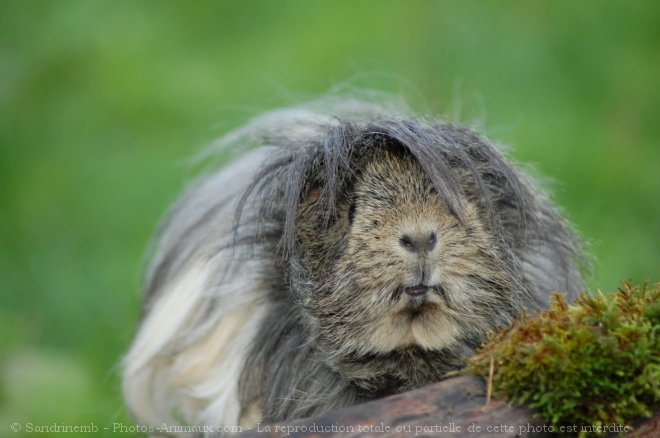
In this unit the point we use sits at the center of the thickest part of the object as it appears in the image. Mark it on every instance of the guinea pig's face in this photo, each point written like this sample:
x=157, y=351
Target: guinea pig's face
x=407, y=272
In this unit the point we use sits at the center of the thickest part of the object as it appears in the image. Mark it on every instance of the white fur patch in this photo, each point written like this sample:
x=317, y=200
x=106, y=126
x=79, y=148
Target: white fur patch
x=146, y=386
x=187, y=357
x=184, y=364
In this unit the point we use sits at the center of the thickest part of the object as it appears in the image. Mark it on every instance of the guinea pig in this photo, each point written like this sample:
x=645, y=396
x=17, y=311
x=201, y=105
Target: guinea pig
x=355, y=252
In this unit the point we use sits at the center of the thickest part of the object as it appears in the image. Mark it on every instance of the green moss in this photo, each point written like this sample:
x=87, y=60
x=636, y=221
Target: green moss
x=596, y=362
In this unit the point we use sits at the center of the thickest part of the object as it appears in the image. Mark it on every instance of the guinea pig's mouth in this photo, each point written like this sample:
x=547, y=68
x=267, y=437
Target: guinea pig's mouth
x=418, y=297
x=416, y=291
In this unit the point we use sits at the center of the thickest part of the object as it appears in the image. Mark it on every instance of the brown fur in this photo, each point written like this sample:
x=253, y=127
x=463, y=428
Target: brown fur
x=359, y=267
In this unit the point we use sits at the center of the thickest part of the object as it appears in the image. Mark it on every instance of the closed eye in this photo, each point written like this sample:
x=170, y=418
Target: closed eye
x=351, y=211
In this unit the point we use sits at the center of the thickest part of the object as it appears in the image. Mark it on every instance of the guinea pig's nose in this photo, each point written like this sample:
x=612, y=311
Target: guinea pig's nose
x=419, y=242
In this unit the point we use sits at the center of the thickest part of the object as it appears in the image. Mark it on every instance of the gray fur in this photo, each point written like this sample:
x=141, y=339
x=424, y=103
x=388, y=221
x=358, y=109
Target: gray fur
x=293, y=217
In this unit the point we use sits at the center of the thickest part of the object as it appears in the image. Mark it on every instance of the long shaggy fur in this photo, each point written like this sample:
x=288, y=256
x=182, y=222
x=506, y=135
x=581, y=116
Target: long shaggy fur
x=286, y=284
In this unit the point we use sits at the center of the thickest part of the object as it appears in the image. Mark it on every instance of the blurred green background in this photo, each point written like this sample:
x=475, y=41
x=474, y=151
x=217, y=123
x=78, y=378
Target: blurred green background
x=102, y=103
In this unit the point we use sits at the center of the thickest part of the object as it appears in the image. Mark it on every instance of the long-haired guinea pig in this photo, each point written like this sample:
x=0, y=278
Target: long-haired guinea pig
x=354, y=252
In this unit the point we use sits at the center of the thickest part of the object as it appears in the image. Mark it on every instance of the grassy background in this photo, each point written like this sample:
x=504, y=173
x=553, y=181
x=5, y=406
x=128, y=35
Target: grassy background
x=102, y=103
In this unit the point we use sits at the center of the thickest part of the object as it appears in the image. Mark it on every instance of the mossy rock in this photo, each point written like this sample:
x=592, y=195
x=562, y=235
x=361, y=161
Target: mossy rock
x=594, y=363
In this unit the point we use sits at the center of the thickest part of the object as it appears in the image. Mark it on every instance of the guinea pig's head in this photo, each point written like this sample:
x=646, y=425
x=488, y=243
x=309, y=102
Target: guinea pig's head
x=395, y=266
